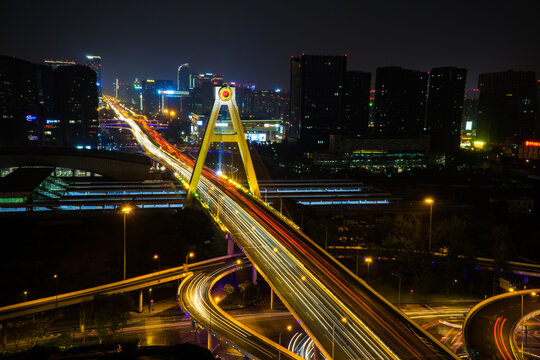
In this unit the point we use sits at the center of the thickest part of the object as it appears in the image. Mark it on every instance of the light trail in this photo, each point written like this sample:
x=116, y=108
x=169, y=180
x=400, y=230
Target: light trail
x=315, y=287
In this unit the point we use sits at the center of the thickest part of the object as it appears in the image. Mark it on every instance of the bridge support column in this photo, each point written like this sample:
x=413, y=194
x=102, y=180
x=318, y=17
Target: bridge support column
x=271, y=299
x=141, y=303
x=253, y=275
x=209, y=341
x=225, y=96
x=230, y=245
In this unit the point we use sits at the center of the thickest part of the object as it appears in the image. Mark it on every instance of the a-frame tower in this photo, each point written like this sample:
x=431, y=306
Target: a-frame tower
x=224, y=95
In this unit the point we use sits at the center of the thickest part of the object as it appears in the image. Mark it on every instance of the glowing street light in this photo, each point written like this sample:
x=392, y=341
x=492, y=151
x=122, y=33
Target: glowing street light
x=55, y=277
x=289, y=328
x=430, y=202
x=190, y=255
x=156, y=257
x=126, y=210
x=343, y=320
x=25, y=293
x=368, y=260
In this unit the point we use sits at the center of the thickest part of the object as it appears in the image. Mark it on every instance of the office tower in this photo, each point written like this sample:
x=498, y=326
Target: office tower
x=244, y=100
x=94, y=62
x=356, y=102
x=316, y=99
x=202, y=94
x=400, y=102
x=182, y=77
x=76, y=103
x=55, y=64
x=151, y=95
x=507, y=106
x=445, y=108
x=21, y=113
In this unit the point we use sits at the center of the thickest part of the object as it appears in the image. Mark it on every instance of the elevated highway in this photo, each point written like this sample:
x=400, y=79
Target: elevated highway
x=344, y=316
x=136, y=283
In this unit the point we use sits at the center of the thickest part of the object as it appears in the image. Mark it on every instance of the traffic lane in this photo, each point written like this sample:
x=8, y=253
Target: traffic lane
x=195, y=294
x=490, y=330
x=350, y=288
x=305, y=298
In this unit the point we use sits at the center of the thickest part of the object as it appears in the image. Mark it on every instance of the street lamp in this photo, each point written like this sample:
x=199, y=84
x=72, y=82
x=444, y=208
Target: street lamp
x=430, y=202
x=343, y=320
x=126, y=210
x=25, y=293
x=190, y=255
x=55, y=277
x=289, y=328
x=368, y=261
x=156, y=257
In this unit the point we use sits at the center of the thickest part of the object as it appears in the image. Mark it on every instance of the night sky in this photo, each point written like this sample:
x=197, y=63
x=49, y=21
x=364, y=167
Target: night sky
x=252, y=41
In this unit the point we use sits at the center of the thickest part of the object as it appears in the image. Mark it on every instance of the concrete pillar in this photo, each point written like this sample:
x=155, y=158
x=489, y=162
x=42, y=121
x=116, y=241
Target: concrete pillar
x=271, y=299
x=230, y=245
x=209, y=341
x=253, y=275
x=141, y=301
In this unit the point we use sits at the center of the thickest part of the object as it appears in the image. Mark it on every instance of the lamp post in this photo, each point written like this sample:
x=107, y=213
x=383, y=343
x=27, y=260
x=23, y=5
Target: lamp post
x=368, y=261
x=430, y=202
x=25, y=293
x=289, y=328
x=55, y=277
x=126, y=210
x=190, y=255
x=156, y=257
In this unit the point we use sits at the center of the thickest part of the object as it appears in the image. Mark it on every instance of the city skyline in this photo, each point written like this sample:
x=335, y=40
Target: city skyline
x=256, y=42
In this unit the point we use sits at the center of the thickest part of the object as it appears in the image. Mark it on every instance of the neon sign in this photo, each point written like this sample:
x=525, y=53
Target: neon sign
x=532, y=143
x=30, y=117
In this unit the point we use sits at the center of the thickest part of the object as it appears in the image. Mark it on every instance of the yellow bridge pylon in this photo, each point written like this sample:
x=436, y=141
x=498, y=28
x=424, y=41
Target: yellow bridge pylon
x=224, y=96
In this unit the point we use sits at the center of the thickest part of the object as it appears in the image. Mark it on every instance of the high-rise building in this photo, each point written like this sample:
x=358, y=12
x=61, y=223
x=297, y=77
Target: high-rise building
x=182, y=77
x=356, y=99
x=445, y=108
x=76, y=103
x=202, y=93
x=507, y=106
x=94, y=62
x=316, y=99
x=400, y=102
x=151, y=95
x=21, y=113
x=55, y=64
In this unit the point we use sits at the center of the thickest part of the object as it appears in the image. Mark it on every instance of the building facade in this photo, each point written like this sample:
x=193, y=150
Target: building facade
x=507, y=106
x=400, y=102
x=445, y=108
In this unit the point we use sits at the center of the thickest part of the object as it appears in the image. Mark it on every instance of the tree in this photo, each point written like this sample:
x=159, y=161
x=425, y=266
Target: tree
x=406, y=233
x=111, y=312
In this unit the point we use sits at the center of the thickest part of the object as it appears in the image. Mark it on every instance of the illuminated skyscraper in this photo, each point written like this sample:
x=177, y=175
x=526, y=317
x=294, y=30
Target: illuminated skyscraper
x=445, y=108
x=94, y=62
x=55, y=64
x=76, y=103
x=356, y=103
x=316, y=99
x=21, y=114
x=507, y=106
x=400, y=102
x=182, y=77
